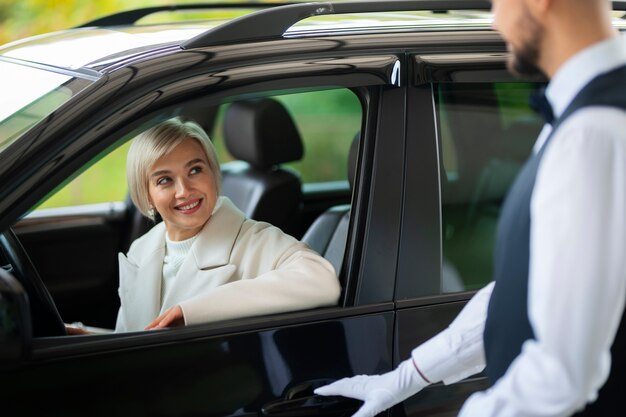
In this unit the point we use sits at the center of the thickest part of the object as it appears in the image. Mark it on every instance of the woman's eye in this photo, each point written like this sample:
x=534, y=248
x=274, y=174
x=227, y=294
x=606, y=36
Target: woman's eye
x=163, y=180
x=195, y=170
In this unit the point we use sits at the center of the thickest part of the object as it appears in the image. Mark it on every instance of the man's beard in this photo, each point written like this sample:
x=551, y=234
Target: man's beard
x=523, y=61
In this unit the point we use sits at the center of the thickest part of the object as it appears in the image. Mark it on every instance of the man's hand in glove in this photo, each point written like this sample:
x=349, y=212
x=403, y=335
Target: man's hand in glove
x=378, y=392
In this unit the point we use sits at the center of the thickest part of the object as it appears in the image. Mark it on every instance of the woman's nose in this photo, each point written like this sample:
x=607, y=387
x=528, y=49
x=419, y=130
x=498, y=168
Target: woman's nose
x=182, y=188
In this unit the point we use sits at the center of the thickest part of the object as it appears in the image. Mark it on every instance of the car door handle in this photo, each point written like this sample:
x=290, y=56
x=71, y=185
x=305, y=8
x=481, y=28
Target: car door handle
x=315, y=405
x=300, y=401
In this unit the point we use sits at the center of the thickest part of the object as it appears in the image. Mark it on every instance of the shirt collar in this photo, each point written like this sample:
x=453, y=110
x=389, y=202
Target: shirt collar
x=579, y=70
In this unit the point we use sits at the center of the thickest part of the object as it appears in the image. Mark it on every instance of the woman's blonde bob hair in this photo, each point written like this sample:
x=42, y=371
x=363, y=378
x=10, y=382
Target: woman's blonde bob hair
x=155, y=143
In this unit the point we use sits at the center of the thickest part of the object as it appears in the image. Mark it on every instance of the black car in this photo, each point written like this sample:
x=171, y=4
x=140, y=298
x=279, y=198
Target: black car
x=412, y=129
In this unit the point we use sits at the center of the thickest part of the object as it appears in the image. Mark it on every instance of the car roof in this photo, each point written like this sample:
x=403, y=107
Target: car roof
x=93, y=46
x=114, y=38
x=117, y=37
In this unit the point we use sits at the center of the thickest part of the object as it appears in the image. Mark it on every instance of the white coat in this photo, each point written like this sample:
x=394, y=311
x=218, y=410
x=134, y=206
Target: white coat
x=236, y=267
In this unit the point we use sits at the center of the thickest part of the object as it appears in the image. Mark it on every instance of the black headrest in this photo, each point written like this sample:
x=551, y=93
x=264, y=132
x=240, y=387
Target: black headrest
x=353, y=153
x=262, y=133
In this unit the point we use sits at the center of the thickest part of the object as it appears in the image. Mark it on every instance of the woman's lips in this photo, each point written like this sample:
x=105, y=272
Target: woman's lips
x=189, y=207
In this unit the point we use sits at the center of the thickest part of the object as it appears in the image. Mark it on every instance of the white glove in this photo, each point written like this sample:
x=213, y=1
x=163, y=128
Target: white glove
x=379, y=392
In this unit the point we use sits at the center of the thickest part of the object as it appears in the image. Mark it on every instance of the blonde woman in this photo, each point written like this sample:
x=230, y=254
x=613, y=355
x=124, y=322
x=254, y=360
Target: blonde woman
x=205, y=261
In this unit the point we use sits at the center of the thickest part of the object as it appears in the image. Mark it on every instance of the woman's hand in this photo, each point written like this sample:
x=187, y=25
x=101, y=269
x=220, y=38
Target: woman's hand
x=172, y=317
x=73, y=330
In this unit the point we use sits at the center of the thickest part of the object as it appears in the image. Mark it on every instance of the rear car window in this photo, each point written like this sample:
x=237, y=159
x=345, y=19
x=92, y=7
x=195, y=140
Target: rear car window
x=487, y=131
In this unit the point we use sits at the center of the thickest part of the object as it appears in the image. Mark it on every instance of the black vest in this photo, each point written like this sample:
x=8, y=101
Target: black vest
x=507, y=326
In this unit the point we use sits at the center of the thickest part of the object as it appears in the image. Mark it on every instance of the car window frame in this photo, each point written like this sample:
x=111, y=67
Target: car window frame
x=117, y=122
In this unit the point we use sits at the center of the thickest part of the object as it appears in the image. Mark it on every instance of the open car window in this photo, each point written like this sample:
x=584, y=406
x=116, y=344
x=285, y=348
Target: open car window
x=91, y=218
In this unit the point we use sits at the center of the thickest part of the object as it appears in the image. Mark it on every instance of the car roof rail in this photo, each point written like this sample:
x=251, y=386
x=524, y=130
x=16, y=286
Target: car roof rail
x=130, y=17
x=273, y=23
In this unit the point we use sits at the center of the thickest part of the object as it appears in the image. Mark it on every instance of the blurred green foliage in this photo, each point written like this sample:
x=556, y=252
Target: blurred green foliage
x=23, y=18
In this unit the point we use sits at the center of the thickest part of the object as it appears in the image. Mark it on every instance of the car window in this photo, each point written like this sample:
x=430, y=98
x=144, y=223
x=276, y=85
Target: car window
x=327, y=121
x=486, y=133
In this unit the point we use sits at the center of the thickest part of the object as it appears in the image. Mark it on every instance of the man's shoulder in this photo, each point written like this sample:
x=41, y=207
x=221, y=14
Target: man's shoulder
x=594, y=121
x=591, y=139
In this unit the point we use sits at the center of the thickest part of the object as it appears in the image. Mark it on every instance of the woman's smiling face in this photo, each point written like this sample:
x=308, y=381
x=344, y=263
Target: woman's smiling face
x=183, y=190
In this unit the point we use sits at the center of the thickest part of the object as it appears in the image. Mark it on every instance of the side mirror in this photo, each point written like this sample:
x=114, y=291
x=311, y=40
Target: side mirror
x=15, y=326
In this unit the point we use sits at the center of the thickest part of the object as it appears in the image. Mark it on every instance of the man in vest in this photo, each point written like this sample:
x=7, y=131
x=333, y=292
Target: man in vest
x=549, y=331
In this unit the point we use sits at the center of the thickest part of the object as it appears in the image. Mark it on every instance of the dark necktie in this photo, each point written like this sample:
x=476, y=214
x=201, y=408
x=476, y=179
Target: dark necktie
x=539, y=103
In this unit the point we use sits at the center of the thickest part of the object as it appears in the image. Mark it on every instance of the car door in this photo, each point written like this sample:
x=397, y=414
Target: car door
x=249, y=367
x=470, y=128
x=255, y=367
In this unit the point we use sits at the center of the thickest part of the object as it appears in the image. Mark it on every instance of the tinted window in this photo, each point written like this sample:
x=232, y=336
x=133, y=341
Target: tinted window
x=486, y=131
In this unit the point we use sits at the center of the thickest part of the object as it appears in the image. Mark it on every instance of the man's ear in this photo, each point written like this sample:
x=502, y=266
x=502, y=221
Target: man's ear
x=540, y=8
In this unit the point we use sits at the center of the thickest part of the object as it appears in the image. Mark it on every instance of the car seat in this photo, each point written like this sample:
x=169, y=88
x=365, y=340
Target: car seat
x=328, y=234
x=262, y=135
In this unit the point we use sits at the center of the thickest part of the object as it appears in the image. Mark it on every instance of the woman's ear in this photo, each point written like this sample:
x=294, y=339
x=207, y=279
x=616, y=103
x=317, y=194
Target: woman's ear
x=151, y=210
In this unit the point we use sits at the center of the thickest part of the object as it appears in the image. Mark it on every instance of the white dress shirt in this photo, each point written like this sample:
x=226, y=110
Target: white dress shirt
x=577, y=282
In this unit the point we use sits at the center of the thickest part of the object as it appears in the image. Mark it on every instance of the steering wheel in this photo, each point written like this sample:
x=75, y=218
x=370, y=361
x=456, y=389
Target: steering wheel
x=46, y=320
